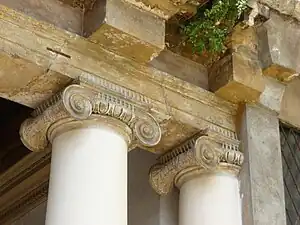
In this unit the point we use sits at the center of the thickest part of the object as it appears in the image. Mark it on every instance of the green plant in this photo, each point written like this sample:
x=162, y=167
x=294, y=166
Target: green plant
x=208, y=29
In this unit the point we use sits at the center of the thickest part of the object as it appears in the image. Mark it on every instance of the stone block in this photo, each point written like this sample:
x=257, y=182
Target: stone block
x=182, y=68
x=272, y=96
x=53, y=12
x=278, y=49
x=125, y=29
x=237, y=77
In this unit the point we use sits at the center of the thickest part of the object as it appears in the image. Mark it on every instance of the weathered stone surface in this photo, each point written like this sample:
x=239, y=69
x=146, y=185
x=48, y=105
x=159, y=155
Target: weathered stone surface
x=26, y=83
x=54, y=12
x=182, y=68
x=287, y=7
x=261, y=176
x=125, y=29
x=272, y=96
x=290, y=106
x=279, y=53
x=237, y=77
x=167, y=8
x=84, y=5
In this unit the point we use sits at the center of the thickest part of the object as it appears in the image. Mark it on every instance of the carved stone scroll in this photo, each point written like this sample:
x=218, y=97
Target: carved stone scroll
x=89, y=97
x=202, y=153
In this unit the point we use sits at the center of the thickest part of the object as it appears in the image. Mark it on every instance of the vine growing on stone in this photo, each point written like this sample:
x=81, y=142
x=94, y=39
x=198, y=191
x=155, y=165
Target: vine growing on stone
x=208, y=29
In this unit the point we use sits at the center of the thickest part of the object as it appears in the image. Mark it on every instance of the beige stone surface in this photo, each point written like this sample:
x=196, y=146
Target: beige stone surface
x=167, y=8
x=125, y=29
x=238, y=77
x=182, y=68
x=53, y=12
x=26, y=83
x=290, y=106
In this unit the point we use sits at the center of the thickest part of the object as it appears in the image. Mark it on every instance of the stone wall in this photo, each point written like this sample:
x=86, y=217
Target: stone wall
x=144, y=205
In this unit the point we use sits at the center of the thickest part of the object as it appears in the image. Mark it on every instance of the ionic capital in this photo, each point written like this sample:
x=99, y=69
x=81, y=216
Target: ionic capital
x=200, y=154
x=92, y=99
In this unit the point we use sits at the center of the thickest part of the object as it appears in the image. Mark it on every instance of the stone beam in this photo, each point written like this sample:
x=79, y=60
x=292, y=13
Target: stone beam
x=180, y=105
x=25, y=82
x=237, y=77
x=278, y=51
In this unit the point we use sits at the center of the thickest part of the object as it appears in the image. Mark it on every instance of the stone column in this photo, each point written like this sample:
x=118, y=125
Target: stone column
x=205, y=170
x=91, y=131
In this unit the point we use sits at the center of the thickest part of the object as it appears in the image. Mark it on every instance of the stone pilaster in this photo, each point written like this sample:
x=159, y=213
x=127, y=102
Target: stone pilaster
x=261, y=176
x=92, y=98
x=203, y=153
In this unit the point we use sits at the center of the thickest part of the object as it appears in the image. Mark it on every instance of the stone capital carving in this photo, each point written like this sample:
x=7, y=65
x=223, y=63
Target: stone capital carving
x=201, y=154
x=89, y=98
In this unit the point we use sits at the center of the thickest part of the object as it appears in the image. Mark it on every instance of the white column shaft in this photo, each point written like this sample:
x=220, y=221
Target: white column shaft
x=88, y=180
x=210, y=199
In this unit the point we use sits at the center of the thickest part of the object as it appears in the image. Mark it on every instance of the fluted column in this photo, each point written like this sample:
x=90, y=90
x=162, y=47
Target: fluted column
x=205, y=170
x=91, y=130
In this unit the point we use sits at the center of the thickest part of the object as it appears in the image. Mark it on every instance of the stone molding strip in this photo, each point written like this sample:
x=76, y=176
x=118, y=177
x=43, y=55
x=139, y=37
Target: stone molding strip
x=25, y=204
x=199, y=154
x=85, y=99
x=24, y=186
x=23, y=169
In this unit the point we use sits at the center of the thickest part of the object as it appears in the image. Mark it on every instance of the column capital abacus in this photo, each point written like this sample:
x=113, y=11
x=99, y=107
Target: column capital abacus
x=92, y=100
x=207, y=151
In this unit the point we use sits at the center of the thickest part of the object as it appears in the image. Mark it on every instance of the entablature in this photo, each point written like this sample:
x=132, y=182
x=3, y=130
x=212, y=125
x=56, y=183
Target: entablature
x=180, y=105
